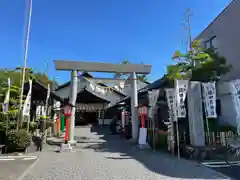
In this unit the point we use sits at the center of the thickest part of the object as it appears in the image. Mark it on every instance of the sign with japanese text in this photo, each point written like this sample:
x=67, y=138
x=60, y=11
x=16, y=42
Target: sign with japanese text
x=181, y=87
x=209, y=98
x=170, y=96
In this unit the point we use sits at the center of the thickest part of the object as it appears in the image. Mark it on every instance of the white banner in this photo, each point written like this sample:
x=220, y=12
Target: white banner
x=181, y=87
x=209, y=98
x=47, y=99
x=27, y=103
x=43, y=111
x=235, y=86
x=153, y=97
x=170, y=96
x=6, y=99
x=38, y=112
x=48, y=93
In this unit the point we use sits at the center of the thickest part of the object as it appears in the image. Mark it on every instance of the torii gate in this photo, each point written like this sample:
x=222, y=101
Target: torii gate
x=75, y=66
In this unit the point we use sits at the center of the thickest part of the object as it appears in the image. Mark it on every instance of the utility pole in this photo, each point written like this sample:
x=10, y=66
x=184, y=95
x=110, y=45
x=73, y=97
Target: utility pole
x=20, y=121
x=48, y=69
x=188, y=26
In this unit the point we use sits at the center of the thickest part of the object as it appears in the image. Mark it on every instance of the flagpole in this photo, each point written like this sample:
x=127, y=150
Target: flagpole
x=25, y=65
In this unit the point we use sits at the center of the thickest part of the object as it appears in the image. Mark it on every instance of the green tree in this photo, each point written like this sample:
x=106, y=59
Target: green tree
x=141, y=77
x=198, y=64
x=15, y=76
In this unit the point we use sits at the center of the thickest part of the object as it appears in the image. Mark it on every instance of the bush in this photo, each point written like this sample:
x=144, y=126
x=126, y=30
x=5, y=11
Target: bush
x=18, y=140
x=32, y=126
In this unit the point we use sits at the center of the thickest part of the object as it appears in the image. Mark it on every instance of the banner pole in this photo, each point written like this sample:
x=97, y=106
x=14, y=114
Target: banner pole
x=178, y=140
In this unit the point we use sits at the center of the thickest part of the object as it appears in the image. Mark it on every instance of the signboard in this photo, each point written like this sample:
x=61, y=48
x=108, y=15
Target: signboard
x=89, y=107
x=209, y=98
x=181, y=87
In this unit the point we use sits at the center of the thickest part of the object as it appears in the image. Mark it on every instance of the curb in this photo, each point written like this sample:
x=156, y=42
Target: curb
x=220, y=164
x=25, y=173
x=11, y=158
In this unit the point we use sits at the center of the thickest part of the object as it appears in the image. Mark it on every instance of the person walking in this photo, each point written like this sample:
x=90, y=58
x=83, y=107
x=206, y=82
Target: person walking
x=39, y=142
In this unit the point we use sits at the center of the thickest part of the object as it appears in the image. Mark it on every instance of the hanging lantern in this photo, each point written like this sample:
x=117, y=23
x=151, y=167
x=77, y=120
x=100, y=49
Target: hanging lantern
x=67, y=110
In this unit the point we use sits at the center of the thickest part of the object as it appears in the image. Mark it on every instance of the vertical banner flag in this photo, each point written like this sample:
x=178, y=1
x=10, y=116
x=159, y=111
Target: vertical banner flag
x=47, y=99
x=6, y=99
x=170, y=95
x=209, y=97
x=235, y=86
x=153, y=97
x=38, y=112
x=181, y=87
x=27, y=103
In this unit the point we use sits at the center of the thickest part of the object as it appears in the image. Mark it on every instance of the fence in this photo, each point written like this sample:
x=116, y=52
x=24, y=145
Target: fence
x=214, y=138
x=218, y=138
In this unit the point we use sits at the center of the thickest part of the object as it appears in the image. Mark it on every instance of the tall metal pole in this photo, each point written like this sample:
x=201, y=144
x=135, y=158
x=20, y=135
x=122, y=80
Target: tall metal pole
x=25, y=64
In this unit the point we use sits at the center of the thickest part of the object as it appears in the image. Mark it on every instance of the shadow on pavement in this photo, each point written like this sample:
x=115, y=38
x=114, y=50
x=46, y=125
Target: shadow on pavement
x=12, y=170
x=157, y=162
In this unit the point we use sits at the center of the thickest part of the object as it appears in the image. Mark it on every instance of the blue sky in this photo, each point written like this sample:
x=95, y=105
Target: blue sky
x=147, y=31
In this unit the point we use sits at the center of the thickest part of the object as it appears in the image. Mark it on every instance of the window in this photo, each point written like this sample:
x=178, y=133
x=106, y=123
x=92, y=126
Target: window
x=211, y=43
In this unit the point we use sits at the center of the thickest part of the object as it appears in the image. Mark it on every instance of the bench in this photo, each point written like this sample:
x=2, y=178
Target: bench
x=1, y=147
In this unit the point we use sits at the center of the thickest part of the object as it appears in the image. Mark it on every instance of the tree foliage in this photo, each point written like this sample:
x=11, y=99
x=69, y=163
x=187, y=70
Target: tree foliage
x=198, y=64
x=141, y=77
x=15, y=90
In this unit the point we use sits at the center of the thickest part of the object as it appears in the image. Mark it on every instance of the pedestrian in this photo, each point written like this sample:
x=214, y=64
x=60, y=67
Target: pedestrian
x=39, y=142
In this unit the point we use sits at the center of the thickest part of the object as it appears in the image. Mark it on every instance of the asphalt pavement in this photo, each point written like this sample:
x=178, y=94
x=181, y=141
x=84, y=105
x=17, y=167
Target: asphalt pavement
x=105, y=157
x=12, y=169
x=232, y=171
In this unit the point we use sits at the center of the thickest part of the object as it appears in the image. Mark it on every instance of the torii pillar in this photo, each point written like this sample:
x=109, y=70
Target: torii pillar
x=134, y=105
x=72, y=100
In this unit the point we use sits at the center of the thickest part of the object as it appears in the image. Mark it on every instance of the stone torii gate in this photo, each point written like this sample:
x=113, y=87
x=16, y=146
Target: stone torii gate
x=75, y=66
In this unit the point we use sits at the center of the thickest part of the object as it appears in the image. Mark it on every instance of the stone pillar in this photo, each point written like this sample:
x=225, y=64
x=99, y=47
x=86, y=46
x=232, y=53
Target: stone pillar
x=134, y=105
x=72, y=100
x=195, y=115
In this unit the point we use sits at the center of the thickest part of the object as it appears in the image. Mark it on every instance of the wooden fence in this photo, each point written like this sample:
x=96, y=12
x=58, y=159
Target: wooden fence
x=218, y=138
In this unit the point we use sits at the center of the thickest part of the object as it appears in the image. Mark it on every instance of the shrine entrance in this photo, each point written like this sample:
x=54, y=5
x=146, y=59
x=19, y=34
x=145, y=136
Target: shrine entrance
x=83, y=118
x=75, y=66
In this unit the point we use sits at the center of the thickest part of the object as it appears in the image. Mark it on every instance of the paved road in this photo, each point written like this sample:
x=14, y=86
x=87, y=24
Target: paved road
x=13, y=169
x=106, y=157
x=222, y=167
